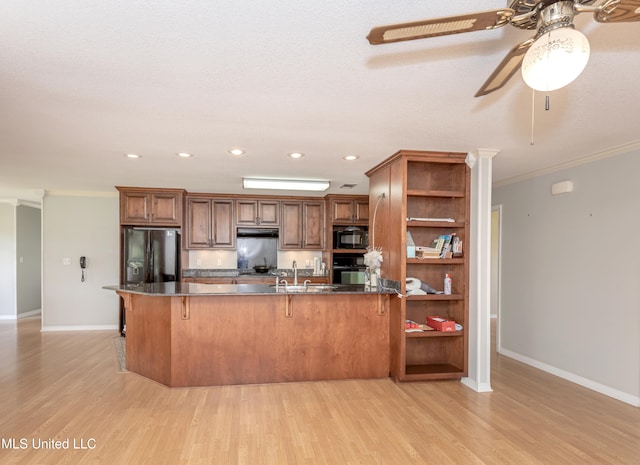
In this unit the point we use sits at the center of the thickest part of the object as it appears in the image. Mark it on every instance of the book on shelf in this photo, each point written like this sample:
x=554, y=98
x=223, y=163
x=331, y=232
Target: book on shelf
x=427, y=252
x=437, y=244
x=456, y=246
x=445, y=251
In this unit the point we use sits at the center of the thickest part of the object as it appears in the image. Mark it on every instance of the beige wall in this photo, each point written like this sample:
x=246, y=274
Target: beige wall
x=74, y=226
x=570, y=301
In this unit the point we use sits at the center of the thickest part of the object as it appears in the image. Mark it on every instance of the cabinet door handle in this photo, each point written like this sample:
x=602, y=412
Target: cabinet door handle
x=381, y=306
x=288, y=308
x=185, y=307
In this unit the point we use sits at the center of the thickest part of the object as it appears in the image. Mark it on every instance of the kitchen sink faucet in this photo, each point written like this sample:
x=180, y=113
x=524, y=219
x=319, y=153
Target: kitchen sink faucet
x=295, y=273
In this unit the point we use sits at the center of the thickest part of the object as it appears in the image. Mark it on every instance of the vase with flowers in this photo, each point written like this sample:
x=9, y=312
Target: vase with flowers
x=373, y=262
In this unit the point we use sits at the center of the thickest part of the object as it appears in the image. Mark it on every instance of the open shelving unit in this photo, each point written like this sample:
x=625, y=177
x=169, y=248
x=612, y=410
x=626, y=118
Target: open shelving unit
x=425, y=185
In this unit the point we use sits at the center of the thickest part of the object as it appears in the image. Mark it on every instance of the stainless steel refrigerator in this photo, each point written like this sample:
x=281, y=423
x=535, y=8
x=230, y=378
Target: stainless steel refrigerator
x=150, y=255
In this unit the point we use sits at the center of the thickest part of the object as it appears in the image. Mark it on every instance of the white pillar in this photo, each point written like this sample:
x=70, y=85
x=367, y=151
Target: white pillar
x=478, y=326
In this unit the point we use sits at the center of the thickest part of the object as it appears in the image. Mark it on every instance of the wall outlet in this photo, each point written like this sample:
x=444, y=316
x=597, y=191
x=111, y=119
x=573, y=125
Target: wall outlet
x=198, y=262
x=66, y=261
x=219, y=262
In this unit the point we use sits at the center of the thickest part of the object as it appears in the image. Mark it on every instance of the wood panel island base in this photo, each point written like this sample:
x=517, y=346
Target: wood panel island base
x=209, y=339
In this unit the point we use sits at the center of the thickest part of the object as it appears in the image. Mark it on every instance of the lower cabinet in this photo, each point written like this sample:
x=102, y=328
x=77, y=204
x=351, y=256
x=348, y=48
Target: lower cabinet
x=252, y=339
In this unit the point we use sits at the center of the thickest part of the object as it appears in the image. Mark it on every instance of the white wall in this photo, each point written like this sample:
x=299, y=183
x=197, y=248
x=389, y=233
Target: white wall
x=74, y=226
x=7, y=261
x=570, y=273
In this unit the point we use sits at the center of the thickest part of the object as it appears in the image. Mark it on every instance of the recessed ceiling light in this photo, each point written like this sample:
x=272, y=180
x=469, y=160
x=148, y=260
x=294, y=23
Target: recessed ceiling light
x=296, y=155
x=132, y=155
x=351, y=157
x=185, y=155
x=236, y=152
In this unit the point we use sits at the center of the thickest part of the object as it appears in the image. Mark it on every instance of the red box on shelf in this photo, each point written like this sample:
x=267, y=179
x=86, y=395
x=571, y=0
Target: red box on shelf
x=441, y=324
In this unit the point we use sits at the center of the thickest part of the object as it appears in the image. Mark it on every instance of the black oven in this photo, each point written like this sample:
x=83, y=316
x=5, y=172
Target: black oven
x=352, y=237
x=348, y=268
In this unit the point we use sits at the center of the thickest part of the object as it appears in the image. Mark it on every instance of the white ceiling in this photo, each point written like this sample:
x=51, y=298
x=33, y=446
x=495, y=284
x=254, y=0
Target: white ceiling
x=83, y=82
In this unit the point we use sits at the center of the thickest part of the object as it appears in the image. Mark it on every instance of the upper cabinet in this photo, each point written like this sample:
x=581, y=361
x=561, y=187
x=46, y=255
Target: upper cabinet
x=209, y=223
x=157, y=207
x=352, y=209
x=302, y=225
x=251, y=212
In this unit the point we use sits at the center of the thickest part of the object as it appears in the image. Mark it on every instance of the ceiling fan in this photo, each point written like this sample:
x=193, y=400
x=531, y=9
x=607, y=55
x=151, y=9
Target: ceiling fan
x=553, y=20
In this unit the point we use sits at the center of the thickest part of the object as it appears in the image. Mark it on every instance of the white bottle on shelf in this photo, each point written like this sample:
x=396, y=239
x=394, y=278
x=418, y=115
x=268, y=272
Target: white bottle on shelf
x=447, y=284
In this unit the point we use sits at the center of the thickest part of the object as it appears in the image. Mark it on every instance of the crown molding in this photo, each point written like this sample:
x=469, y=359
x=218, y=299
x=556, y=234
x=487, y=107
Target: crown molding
x=611, y=152
x=69, y=193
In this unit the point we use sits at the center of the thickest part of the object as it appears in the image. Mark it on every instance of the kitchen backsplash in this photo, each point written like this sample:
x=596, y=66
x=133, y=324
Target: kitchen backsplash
x=212, y=259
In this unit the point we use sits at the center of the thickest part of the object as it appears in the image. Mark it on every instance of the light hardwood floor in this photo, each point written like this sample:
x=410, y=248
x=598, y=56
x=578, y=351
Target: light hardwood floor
x=59, y=386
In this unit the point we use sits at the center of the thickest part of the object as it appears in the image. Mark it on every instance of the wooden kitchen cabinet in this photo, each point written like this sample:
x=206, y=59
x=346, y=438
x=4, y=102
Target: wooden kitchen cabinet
x=150, y=207
x=255, y=339
x=422, y=188
x=209, y=223
x=347, y=210
x=251, y=212
x=302, y=225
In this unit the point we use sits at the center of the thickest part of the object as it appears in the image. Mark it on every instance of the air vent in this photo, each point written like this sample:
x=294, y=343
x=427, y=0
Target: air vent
x=348, y=186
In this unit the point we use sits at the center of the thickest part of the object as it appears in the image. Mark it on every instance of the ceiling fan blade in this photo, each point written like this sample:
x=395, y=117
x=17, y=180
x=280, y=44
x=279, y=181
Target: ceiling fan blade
x=440, y=26
x=507, y=68
x=622, y=11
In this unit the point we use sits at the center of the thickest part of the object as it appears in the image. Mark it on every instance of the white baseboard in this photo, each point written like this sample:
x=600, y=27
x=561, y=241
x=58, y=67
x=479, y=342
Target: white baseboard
x=474, y=385
x=584, y=382
x=29, y=314
x=20, y=315
x=46, y=329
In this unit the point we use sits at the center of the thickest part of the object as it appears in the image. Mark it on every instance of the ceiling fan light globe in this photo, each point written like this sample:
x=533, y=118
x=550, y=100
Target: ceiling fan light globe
x=555, y=59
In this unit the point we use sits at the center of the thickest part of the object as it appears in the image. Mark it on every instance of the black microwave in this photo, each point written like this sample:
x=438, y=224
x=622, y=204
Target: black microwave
x=351, y=237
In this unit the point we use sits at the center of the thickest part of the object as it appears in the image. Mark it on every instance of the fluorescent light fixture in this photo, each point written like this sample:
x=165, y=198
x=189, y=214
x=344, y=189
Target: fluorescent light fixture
x=285, y=184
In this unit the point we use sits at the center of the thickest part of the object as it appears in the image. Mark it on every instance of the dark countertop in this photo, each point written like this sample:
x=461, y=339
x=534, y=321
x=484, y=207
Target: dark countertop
x=190, y=289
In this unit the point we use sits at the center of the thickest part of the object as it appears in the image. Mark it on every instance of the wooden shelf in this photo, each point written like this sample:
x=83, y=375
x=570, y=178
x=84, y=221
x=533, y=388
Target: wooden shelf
x=435, y=334
x=435, y=371
x=435, y=224
x=435, y=297
x=435, y=261
x=434, y=193
x=349, y=251
x=433, y=185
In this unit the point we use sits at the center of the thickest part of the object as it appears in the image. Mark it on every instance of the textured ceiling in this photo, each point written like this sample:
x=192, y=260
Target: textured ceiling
x=84, y=82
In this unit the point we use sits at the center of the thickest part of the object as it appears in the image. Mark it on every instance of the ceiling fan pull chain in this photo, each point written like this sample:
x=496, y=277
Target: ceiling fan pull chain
x=546, y=103
x=533, y=113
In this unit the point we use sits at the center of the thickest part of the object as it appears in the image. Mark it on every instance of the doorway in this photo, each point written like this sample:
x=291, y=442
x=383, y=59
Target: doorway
x=496, y=248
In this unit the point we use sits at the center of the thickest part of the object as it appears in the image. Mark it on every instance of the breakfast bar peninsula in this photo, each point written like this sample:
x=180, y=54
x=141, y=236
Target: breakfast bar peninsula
x=187, y=334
